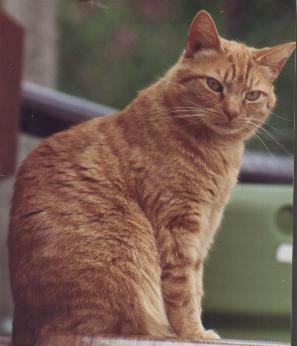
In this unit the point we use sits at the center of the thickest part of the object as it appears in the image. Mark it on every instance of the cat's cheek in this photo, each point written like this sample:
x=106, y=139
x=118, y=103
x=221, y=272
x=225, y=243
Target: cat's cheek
x=271, y=102
x=203, y=96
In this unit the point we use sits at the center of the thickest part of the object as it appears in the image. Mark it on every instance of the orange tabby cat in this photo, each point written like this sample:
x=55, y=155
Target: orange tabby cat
x=112, y=220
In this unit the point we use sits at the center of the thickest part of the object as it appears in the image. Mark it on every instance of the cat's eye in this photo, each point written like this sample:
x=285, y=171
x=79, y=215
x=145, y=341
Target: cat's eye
x=214, y=84
x=253, y=95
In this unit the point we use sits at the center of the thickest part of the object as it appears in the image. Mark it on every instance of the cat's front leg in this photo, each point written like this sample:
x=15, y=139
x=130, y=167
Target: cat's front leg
x=182, y=265
x=199, y=268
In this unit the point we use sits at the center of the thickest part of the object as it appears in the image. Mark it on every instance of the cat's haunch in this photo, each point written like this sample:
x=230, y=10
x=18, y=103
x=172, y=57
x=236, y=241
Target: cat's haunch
x=111, y=220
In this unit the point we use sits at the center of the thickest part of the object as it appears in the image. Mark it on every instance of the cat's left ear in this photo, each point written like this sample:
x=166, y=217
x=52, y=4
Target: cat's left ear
x=203, y=34
x=274, y=58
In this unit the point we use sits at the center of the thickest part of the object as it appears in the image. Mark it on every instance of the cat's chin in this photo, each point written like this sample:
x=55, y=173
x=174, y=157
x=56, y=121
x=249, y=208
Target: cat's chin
x=224, y=130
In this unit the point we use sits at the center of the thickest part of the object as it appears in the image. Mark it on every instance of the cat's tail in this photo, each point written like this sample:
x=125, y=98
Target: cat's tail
x=151, y=309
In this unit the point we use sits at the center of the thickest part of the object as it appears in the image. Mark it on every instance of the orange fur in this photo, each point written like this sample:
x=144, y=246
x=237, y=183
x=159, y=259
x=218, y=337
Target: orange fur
x=112, y=220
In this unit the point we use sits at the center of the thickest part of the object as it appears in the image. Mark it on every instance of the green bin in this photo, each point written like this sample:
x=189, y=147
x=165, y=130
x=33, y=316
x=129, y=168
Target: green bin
x=248, y=272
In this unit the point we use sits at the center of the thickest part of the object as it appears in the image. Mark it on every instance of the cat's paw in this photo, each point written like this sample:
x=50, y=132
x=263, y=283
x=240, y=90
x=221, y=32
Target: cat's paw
x=210, y=335
x=202, y=335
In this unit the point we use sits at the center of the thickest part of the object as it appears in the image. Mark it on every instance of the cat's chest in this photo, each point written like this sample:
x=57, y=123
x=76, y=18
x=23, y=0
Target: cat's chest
x=224, y=183
x=212, y=178
x=189, y=183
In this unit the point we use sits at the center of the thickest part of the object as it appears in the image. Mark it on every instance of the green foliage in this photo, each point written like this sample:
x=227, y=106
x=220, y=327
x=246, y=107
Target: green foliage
x=110, y=52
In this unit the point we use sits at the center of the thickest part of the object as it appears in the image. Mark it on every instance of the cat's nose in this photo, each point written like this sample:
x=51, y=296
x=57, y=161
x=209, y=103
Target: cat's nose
x=231, y=106
x=231, y=113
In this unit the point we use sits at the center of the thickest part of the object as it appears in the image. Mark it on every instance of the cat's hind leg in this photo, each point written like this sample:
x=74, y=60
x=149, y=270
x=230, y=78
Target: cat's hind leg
x=112, y=284
x=131, y=306
x=91, y=275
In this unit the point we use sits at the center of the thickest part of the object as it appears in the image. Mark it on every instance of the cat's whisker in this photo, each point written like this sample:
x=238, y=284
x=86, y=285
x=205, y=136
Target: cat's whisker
x=268, y=125
x=205, y=106
x=193, y=106
x=181, y=113
x=273, y=128
x=279, y=117
x=184, y=116
x=184, y=108
x=196, y=121
x=172, y=113
x=191, y=102
x=266, y=132
x=266, y=147
x=203, y=109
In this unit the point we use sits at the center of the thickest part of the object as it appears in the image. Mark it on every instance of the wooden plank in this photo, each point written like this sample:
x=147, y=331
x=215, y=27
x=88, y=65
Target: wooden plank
x=11, y=48
x=74, y=340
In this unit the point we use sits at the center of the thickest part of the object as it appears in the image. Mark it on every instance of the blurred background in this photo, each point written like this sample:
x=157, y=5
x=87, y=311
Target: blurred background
x=107, y=50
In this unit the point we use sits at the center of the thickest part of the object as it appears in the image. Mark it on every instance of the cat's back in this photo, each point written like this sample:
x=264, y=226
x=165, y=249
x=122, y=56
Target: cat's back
x=65, y=160
x=66, y=182
x=68, y=145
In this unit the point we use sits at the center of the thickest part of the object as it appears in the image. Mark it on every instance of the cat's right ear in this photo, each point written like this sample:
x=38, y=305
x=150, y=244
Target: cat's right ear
x=203, y=34
x=274, y=58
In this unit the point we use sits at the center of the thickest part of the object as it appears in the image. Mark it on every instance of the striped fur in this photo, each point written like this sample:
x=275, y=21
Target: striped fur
x=111, y=220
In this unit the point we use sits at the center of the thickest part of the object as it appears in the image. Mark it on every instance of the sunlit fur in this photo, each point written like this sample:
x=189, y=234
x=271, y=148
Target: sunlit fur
x=111, y=220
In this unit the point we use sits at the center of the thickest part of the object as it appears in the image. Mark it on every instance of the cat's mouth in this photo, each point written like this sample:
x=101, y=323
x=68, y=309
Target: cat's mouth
x=241, y=128
x=225, y=128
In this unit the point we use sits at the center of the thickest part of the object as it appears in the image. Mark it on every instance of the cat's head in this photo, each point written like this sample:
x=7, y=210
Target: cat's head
x=225, y=85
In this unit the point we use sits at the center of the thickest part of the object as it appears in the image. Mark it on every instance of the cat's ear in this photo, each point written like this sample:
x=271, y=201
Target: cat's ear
x=274, y=58
x=203, y=34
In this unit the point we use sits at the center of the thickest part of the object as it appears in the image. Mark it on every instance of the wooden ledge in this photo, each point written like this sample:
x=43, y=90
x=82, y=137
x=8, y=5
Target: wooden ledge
x=71, y=340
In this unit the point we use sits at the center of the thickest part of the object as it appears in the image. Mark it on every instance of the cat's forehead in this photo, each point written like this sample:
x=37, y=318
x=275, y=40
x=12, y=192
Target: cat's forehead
x=236, y=65
x=237, y=68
